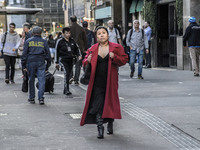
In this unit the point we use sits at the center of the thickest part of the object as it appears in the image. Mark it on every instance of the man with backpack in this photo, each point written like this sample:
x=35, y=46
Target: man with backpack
x=137, y=41
x=90, y=35
x=36, y=51
x=9, y=45
x=191, y=36
x=114, y=35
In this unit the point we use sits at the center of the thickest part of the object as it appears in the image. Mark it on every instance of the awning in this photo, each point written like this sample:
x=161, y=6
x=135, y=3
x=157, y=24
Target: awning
x=133, y=6
x=140, y=5
x=136, y=6
x=19, y=10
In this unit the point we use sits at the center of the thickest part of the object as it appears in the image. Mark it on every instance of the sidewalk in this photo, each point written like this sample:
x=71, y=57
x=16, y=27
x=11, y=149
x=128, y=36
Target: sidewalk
x=149, y=108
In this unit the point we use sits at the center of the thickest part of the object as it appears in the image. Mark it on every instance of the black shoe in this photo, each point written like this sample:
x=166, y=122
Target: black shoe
x=41, y=101
x=140, y=77
x=196, y=74
x=7, y=81
x=67, y=92
x=12, y=82
x=148, y=66
x=131, y=74
x=76, y=83
x=32, y=101
x=110, y=128
x=100, y=132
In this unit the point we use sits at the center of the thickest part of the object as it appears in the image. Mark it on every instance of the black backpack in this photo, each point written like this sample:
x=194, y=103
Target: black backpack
x=127, y=48
x=3, y=44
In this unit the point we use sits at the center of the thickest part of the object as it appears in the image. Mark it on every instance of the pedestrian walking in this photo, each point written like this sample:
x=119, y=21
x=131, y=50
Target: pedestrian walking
x=28, y=34
x=26, y=29
x=114, y=35
x=90, y=35
x=66, y=50
x=148, y=32
x=52, y=44
x=137, y=41
x=36, y=51
x=102, y=100
x=191, y=37
x=21, y=47
x=79, y=35
x=9, y=44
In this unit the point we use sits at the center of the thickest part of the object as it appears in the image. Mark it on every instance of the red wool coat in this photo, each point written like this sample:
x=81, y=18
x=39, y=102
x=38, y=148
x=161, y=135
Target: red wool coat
x=111, y=104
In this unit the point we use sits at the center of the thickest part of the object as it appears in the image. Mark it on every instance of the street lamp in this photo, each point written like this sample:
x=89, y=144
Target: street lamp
x=54, y=26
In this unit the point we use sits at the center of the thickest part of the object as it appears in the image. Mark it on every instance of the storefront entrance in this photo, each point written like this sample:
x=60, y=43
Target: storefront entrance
x=167, y=31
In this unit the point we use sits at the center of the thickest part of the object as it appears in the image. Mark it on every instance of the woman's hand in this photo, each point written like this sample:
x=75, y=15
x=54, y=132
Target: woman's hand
x=111, y=55
x=89, y=58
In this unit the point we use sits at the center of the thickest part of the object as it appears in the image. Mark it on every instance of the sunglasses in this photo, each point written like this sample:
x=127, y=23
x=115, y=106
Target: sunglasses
x=11, y=27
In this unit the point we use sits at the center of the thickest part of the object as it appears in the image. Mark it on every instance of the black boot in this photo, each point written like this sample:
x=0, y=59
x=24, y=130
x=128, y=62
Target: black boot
x=100, y=132
x=110, y=127
x=100, y=126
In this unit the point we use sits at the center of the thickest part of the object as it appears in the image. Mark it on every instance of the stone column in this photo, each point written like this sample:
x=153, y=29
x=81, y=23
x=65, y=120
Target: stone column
x=186, y=16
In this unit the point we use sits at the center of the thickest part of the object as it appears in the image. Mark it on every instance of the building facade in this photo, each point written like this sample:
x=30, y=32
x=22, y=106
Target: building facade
x=52, y=12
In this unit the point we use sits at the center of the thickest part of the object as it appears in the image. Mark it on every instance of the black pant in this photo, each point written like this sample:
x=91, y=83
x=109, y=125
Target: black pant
x=10, y=63
x=148, y=56
x=77, y=70
x=67, y=68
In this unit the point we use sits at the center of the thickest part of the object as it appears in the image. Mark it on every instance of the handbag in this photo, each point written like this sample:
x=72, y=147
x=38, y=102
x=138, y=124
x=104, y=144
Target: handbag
x=86, y=76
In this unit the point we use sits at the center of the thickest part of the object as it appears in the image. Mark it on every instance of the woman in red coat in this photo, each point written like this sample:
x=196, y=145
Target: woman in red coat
x=102, y=100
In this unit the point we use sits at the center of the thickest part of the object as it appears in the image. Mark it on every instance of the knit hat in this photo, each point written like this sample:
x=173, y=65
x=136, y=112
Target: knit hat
x=192, y=19
x=37, y=30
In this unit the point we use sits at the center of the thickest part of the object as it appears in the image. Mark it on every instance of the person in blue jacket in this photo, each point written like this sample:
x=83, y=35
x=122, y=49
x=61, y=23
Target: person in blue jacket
x=36, y=51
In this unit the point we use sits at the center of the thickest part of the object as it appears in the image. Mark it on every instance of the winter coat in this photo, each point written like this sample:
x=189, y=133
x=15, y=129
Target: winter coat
x=192, y=35
x=79, y=35
x=112, y=104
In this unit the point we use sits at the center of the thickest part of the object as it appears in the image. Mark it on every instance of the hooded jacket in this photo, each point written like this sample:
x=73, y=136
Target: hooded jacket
x=12, y=41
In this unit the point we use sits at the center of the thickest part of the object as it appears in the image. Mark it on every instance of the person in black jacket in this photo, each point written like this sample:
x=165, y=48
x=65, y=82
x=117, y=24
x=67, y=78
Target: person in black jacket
x=51, y=43
x=36, y=51
x=66, y=50
x=192, y=36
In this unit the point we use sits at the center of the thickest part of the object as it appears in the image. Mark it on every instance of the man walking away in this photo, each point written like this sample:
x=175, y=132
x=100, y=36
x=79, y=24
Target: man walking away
x=90, y=35
x=148, y=32
x=137, y=41
x=114, y=35
x=36, y=51
x=79, y=35
x=9, y=44
x=192, y=36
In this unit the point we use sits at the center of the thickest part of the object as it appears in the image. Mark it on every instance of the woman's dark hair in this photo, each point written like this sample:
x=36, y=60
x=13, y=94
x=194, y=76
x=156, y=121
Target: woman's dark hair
x=50, y=36
x=100, y=27
x=65, y=29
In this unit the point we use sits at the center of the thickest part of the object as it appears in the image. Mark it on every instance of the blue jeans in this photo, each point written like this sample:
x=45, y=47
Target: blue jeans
x=133, y=54
x=36, y=68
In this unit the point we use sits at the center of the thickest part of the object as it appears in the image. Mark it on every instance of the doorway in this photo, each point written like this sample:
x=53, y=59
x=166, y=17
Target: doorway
x=167, y=28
